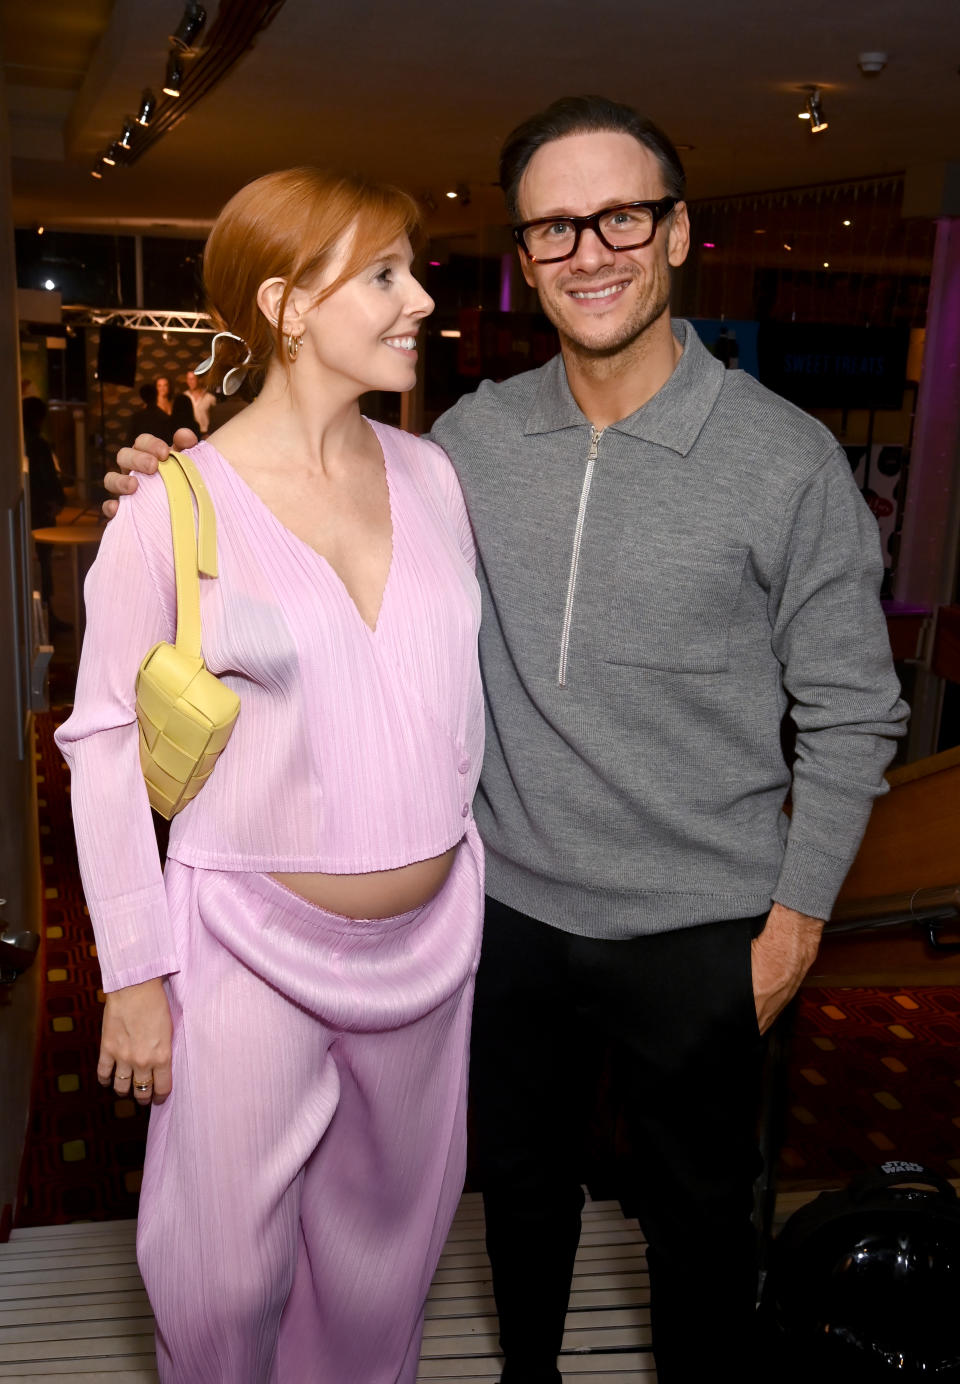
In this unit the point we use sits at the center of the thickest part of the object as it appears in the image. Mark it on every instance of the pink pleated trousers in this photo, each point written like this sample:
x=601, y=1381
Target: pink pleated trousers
x=301, y=1178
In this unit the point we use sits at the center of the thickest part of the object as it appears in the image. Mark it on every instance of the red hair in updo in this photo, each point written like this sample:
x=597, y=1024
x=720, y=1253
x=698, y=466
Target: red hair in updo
x=287, y=225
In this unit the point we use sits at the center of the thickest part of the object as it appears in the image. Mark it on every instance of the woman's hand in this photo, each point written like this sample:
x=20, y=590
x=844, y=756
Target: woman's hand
x=145, y=455
x=135, y=1043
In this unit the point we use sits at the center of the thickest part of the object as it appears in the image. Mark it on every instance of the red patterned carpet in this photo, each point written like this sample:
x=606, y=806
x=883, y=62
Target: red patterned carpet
x=874, y=1073
x=84, y=1154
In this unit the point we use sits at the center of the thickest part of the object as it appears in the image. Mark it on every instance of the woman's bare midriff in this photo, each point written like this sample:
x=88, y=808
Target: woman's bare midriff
x=380, y=894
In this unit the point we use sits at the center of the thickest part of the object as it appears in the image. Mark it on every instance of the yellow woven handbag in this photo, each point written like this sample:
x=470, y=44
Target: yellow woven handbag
x=185, y=713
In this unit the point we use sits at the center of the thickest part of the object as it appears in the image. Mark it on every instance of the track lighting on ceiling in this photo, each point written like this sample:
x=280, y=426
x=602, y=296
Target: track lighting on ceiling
x=813, y=110
x=148, y=104
x=128, y=128
x=194, y=18
x=109, y=156
x=95, y=171
x=174, y=77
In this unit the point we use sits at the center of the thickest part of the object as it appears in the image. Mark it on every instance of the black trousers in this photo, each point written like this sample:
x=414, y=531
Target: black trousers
x=676, y=1012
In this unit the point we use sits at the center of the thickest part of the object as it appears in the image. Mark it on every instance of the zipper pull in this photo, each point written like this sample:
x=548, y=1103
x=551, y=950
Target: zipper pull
x=595, y=436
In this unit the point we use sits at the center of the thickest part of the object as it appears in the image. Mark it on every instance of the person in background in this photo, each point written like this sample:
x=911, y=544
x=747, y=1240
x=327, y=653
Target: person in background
x=163, y=394
x=177, y=407
x=46, y=496
x=295, y=991
x=201, y=401
x=149, y=418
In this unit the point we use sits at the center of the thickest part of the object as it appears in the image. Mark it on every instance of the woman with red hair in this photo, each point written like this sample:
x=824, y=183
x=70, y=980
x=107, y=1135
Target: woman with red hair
x=293, y=992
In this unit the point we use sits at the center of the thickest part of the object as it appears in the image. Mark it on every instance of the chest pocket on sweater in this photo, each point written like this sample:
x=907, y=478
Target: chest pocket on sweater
x=672, y=605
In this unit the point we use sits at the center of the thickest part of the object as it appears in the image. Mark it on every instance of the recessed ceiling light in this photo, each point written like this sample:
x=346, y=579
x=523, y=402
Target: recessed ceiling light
x=452, y=195
x=786, y=246
x=826, y=264
x=870, y=64
x=49, y=284
x=848, y=223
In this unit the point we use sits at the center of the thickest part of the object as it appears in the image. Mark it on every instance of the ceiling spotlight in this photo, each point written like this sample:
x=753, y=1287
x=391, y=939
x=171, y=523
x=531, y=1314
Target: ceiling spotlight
x=786, y=246
x=171, y=83
x=194, y=18
x=95, y=170
x=813, y=110
x=148, y=104
x=826, y=264
x=848, y=223
x=110, y=156
x=40, y=230
x=49, y=285
x=452, y=196
x=128, y=127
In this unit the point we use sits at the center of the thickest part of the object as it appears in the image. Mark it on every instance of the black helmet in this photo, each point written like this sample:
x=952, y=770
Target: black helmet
x=864, y=1284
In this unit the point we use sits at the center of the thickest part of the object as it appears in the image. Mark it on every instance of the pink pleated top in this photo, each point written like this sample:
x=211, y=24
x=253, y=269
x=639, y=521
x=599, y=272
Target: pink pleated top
x=355, y=749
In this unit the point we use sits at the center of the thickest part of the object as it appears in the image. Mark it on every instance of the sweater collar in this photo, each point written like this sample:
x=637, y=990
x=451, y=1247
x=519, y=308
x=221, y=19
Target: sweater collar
x=673, y=418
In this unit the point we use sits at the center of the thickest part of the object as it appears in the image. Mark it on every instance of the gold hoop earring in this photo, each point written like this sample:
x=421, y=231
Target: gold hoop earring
x=293, y=346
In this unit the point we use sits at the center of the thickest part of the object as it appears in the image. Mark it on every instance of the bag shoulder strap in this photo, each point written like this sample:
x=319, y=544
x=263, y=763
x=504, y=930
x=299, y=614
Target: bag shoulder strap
x=207, y=519
x=193, y=552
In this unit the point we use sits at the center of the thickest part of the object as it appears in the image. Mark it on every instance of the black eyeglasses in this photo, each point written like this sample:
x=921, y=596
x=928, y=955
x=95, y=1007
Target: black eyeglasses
x=630, y=226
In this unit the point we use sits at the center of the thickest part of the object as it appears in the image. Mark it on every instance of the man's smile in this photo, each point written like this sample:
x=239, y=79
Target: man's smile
x=592, y=294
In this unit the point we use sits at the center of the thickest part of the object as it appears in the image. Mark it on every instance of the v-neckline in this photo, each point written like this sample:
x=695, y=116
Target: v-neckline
x=295, y=538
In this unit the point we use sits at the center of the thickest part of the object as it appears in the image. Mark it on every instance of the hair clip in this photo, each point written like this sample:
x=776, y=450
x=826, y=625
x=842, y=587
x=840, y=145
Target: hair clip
x=233, y=379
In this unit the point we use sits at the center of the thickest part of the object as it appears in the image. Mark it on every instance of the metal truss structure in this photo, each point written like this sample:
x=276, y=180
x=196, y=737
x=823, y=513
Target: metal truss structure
x=139, y=319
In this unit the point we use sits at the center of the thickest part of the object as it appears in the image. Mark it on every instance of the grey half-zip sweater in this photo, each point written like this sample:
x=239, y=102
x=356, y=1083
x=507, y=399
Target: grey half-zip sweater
x=655, y=596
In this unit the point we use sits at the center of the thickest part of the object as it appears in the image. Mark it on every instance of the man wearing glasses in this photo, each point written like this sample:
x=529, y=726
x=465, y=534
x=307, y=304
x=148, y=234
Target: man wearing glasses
x=670, y=557
x=669, y=554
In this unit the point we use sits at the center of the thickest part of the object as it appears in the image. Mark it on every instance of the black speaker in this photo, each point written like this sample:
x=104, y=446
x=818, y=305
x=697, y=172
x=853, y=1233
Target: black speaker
x=117, y=356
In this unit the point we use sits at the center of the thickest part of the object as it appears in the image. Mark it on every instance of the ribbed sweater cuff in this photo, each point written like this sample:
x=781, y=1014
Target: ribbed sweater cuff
x=810, y=880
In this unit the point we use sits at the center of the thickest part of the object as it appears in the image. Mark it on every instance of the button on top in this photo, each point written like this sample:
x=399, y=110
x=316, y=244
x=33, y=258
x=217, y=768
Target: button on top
x=465, y=810
x=464, y=766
